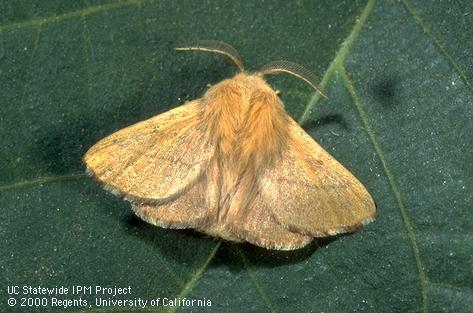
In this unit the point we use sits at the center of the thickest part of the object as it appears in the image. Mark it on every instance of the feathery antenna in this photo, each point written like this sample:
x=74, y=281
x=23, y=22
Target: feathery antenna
x=297, y=70
x=217, y=47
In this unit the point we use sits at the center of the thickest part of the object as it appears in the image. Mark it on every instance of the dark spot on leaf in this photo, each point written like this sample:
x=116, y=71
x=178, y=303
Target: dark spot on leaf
x=385, y=91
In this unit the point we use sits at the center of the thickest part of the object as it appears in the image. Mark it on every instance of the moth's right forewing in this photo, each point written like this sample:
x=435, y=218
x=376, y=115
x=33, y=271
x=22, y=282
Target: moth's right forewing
x=155, y=159
x=310, y=192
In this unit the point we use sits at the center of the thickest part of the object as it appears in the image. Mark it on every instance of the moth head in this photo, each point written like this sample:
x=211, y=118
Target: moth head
x=274, y=67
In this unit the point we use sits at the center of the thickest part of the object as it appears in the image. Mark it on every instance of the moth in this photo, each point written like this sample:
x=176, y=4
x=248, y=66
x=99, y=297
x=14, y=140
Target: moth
x=233, y=164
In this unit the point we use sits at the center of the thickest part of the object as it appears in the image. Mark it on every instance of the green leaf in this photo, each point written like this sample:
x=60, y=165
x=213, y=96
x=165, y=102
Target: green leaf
x=398, y=75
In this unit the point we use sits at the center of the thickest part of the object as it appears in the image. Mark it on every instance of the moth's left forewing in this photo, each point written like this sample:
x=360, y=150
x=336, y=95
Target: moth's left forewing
x=153, y=160
x=310, y=192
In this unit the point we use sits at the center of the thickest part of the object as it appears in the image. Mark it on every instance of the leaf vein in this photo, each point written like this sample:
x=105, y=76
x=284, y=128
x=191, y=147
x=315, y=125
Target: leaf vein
x=251, y=274
x=61, y=17
x=194, y=279
x=340, y=57
x=423, y=280
x=410, y=9
x=39, y=181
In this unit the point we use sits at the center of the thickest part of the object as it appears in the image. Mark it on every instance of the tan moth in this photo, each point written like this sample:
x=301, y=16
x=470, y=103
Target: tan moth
x=233, y=164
